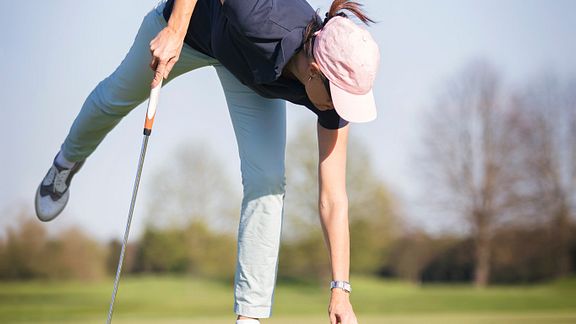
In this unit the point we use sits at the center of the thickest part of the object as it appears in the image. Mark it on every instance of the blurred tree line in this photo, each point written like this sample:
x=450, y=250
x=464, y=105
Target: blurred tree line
x=504, y=161
x=501, y=161
x=27, y=252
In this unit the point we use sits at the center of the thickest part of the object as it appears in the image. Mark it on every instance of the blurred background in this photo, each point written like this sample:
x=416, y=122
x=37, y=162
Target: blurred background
x=462, y=193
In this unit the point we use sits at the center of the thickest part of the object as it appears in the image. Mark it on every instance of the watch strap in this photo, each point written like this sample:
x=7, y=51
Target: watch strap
x=344, y=285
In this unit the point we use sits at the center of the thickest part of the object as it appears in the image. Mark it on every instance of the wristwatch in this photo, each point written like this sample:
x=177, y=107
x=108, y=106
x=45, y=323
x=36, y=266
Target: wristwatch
x=344, y=285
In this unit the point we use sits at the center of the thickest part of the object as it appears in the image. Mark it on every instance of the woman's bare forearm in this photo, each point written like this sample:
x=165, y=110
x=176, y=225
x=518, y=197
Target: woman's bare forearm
x=181, y=14
x=333, y=209
x=334, y=219
x=333, y=200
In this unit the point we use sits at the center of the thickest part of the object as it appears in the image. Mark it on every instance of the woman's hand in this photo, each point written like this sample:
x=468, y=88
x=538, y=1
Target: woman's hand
x=165, y=49
x=340, y=309
x=167, y=45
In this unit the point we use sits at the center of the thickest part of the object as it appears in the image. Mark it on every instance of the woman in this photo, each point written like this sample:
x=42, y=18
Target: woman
x=265, y=52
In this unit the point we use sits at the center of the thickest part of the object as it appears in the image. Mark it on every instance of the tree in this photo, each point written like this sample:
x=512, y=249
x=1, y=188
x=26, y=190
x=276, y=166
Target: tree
x=23, y=254
x=191, y=217
x=466, y=157
x=548, y=108
x=414, y=252
x=75, y=255
x=193, y=186
x=28, y=253
x=162, y=250
x=194, y=249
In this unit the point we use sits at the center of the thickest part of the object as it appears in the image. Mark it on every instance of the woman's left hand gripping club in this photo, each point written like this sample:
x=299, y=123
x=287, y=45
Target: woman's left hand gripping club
x=165, y=49
x=167, y=45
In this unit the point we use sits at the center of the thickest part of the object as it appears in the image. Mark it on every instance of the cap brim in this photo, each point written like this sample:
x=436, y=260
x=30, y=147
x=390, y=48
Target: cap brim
x=353, y=108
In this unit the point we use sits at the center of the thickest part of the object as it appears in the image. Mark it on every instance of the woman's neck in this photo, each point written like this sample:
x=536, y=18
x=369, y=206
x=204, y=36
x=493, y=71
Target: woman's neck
x=297, y=67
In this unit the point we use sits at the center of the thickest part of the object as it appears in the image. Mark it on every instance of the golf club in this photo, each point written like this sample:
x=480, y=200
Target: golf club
x=150, y=113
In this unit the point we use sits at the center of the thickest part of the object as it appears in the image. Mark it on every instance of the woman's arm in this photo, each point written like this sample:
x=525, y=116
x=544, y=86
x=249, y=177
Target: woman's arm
x=167, y=45
x=333, y=209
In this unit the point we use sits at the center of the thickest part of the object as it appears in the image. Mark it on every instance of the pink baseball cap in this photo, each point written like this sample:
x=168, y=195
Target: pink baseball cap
x=349, y=57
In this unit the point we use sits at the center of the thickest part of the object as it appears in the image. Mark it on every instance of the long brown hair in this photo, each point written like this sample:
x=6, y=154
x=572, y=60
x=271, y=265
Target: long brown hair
x=336, y=9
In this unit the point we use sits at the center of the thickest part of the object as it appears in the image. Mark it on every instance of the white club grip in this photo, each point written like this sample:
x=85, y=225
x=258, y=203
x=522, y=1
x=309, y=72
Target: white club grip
x=151, y=111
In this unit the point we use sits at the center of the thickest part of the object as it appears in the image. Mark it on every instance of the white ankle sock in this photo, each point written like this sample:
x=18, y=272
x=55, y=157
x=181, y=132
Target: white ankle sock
x=63, y=162
x=247, y=321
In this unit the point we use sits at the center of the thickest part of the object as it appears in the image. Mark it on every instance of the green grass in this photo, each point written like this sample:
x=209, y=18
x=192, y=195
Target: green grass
x=195, y=301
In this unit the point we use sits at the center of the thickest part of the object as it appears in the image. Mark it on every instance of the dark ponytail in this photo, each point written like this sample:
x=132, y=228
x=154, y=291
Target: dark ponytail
x=335, y=10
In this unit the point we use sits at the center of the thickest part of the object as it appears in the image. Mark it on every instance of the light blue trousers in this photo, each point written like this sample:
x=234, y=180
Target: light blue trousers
x=260, y=128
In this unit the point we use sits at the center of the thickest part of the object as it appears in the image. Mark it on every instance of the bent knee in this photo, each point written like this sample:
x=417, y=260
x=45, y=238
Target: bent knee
x=264, y=183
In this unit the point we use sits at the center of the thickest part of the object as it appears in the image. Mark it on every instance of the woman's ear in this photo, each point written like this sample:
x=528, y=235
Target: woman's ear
x=314, y=69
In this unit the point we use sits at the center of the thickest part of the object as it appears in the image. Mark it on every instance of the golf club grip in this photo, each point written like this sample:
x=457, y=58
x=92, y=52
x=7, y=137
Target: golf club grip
x=151, y=111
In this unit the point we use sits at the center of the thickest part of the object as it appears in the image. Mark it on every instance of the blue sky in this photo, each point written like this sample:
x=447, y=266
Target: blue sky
x=55, y=52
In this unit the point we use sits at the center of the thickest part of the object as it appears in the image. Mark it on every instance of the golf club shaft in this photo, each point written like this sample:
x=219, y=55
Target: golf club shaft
x=150, y=114
x=127, y=232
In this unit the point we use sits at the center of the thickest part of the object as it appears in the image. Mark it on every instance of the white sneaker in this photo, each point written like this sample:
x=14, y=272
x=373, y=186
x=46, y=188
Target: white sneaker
x=247, y=321
x=52, y=194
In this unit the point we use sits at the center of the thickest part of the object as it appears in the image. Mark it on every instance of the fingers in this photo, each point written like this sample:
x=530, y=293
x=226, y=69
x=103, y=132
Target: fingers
x=336, y=318
x=162, y=69
x=162, y=62
x=158, y=74
x=348, y=319
x=153, y=63
x=333, y=319
x=169, y=66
